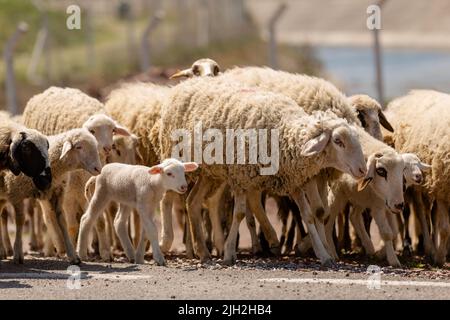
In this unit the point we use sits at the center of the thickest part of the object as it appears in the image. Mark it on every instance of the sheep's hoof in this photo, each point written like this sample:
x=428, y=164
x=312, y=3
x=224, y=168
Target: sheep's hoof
x=329, y=263
x=439, y=259
x=395, y=263
x=140, y=260
x=205, y=258
x=18, y=260
x=160, y=261
x=229, y=261
x=276, y=251
x=76, y=260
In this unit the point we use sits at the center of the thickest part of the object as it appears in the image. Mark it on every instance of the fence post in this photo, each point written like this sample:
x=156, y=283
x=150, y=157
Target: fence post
x=153, y=23
x=8, y=54
x=272, y=49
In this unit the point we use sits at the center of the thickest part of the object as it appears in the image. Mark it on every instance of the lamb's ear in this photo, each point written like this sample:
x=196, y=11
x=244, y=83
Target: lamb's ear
x=121, y=130
x=67, y=146
x=190, y=166
x=363, y=183
x=316, y=145
x=424, y=167
x=155, y=169
x=384, y=122
x=183, y=73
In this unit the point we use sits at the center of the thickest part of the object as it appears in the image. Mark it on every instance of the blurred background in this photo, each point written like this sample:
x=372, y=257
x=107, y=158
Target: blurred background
x=150, y=39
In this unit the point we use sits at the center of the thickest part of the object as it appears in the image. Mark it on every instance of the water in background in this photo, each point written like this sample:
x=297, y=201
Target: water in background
x=353, y=69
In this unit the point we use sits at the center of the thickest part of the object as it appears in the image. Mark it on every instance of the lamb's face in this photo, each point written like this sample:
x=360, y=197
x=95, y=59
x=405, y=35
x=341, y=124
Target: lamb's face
x=83, y=153
x=385, y=174
x=103, y=128
x=414, y=169
x=172, y=174
x=345, y=153
x=29, y=154
x=125, y=150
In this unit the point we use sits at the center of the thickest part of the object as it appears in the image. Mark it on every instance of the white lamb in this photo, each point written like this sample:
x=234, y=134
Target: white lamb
x=133, y=186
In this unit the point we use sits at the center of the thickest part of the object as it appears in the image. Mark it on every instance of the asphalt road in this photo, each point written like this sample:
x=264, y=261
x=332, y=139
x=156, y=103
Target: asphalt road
x=286, y=278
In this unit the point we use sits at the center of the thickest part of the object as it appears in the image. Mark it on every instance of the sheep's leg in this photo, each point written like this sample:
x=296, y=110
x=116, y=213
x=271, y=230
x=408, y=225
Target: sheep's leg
x=290, y=238
x=215, y=203
x=146, y=213
x=29, y=208
x=5, y=233
x=379, y=214
x=194, y=207
x=442, y=229
x=137, y=228
x=421, y=212
x=141, y=247
x=255, y=204
x=49, y=248
x=166, y=221
x=104, y=245
x=20, y=220
x=188, y=239
x=238, y=214
x=3, y=254
x=120, y=225
x=55, y=238
x=251, y=225
x=305, y=211
x=357, y=221
x=72, y=211
x=335, y=208
x=96, y=206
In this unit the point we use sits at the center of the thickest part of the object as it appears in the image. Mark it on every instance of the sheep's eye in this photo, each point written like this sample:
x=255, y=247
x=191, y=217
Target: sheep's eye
x=196, y=71
x=216, y=70
x=382, y=172
x=339, y=142
x=78, y=147
x=170, y=174
x=92, y=131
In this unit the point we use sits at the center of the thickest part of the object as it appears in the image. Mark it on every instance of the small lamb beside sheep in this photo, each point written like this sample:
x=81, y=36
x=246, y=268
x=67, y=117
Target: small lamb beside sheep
x=132, y=186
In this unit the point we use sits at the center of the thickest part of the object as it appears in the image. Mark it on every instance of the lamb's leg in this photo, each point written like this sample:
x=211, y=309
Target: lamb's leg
x=357, y=221
x=254, y=202
x=335, y=208
x=96, y=206
x=146, y=213
x=442, y=229
x=305, y=211
x=379, y=214
x=120, y=225
x=422, y=212
x=104, y=245
x=29, y=209
x=251, y=225
x=238, y=215
x=55, y=238
x=20, y=220
x=188, y=239
x=72, y=211
x=215, y=204
x=166, y=221
x=194, y=207
x=5, y=233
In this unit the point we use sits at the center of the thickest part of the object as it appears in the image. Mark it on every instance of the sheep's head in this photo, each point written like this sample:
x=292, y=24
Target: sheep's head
x=172, y=173
x=80, y=150
x=385, y=174
x=340, y=142
x=29, y=154
x=370, y=115
x=104, y=128
x=414, y=169
x=200, y=68
x=125, y=150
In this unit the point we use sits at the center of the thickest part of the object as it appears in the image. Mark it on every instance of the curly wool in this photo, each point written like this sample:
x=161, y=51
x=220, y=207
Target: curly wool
x=225, y=105
x=137, y=106
x=421, y=121
x=57, y=110
x=310, y=93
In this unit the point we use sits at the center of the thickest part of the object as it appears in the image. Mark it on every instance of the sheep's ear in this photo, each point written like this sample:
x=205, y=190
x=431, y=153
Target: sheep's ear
x=424, y=167
x=190, y=166
x=155, y=170
x=316, y=145
x=384, y=122
x=121, y=130
x=67, y=146
x=371, y=163
x=183, y=73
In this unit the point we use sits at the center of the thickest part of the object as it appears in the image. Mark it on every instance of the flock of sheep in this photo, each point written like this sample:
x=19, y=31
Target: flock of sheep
x=90, y=175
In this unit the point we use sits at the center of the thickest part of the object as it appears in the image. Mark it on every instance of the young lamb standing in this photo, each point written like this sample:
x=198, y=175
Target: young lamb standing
x=133, y=186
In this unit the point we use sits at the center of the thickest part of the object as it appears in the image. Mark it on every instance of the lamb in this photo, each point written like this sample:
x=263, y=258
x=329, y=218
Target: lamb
x=60, y=109
x=225, y=105
x=133, y=186
x=73, y=150
x=201, y=67
x=427, y=136
x=24, y=150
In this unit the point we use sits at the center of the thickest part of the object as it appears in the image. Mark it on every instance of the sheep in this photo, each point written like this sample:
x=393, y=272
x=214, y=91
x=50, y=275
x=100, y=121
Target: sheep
x=60, y=109
x=225, y=105
x=201, y=67
x=71, y=150
x=421, y=125
x=133, y=186
x=24, y=150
